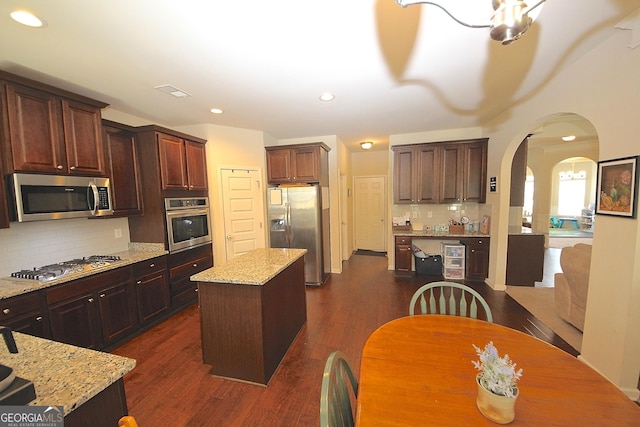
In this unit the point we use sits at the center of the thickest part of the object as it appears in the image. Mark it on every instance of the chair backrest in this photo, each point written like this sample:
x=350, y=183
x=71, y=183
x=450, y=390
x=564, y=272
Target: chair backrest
x=127, y=421
x=463, y=302
x=339, y=388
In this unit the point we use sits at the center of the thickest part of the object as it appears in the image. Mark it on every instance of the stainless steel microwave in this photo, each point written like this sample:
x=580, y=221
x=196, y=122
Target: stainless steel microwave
x=43, y=197
x=188, y=222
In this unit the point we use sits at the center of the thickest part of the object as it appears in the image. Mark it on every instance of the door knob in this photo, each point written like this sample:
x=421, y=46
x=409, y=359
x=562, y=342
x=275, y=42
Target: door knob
x=229, y=237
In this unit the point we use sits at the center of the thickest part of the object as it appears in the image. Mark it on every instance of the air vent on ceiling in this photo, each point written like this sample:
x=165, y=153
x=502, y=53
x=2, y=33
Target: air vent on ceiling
x=172, y=91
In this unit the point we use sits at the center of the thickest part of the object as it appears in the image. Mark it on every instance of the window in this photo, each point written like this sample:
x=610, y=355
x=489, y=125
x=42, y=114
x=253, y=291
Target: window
x=571, y=193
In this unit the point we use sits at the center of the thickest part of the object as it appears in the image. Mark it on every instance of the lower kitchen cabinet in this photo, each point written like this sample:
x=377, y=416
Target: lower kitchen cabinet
x=92, y=312
x=152, y=289
x=403, y=253
x=182, y=265
x=477, y=261
x=26, y=314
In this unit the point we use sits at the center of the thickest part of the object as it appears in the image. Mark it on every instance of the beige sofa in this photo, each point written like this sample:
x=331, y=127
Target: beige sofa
x=571, y=286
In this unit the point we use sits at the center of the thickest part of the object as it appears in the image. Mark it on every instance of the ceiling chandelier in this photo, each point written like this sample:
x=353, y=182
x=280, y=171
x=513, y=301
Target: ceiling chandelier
x=509, y=21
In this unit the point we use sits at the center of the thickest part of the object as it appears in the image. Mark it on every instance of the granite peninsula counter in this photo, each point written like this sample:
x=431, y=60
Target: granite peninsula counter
x=87, y=383
x=251, y=310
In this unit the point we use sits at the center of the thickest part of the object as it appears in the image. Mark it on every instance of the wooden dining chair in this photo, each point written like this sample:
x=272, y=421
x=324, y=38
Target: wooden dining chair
x=463, y=302
x=339, y=389
x=127, y=421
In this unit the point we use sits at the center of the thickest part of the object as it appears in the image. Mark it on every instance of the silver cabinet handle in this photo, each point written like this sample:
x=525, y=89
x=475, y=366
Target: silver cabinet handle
x=72, y=168
x=152, y=265
x=90, y=300
x=195, y=265
x=102, y=295
x=59, y=166
x=39, y=319
x=6, y=311
x=139, y=282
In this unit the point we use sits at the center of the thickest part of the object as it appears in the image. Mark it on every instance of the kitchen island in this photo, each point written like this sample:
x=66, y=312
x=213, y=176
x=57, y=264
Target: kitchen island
x=251, y=310
x=86, y=383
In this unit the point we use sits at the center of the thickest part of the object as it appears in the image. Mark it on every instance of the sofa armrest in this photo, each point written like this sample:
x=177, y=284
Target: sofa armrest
x=562, y=296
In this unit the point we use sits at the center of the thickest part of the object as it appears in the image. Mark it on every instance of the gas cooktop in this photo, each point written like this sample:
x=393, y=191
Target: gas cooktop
x=58, y=270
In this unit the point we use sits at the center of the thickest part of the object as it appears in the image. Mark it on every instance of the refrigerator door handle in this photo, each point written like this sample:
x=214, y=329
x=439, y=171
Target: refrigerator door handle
x=287, y=222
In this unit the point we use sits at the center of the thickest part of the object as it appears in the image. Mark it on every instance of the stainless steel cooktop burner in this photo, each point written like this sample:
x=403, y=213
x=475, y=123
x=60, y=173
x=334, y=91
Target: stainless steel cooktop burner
x=55, y=271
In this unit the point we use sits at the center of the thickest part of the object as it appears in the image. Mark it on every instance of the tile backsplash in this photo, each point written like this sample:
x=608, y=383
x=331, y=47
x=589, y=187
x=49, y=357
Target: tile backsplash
x=34, y=244
x=441, y=214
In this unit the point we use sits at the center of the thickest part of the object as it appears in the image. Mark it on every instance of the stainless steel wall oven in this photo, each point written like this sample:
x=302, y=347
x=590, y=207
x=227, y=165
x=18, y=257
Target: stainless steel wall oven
x=188, y=222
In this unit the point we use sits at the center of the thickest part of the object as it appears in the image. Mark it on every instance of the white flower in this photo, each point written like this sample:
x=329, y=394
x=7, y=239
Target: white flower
x=497, y=374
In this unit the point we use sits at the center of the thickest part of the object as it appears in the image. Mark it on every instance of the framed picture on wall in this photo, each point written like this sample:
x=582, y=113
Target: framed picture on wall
x=617, y=187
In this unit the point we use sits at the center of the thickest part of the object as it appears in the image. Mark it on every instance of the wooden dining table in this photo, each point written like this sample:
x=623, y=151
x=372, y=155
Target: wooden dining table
x=418, y=371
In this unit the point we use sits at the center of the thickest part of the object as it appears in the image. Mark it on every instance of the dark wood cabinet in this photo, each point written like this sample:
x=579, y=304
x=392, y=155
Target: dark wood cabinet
x=477, y=258
x=4, y=209
x=302, y=163
x=123, y=168
x=182, y=265
x=51, y=131
x=451, y=172
x=182, y=163
x=403, y=254
x=26, y=314
x=152, y=289
x=117, y=311
x=93, y=312
x=166, y=157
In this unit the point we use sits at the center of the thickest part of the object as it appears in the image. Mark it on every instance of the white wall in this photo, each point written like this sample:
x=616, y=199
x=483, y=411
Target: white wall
x=603, y=87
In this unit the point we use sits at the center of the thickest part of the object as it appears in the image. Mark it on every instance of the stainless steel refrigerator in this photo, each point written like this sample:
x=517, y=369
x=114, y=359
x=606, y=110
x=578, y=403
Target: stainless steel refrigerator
x=299, y=218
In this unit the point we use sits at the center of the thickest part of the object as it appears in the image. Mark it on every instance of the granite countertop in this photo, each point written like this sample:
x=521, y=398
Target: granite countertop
x=254, y=268
x=516, y=229
x=63, y=374
x=434, y=234
x=10, y=286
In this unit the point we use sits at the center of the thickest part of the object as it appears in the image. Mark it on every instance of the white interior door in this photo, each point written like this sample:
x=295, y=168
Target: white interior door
x=243, y=212
x=370, y=197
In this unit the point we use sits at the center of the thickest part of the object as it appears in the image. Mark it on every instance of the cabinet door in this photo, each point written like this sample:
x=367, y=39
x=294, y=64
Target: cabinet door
x=26, y=314
x=451, y=174
x=35, y=131
x=33, y=324
x=196, y=159
x=475, y=172
x=117, y=312
x=279, y=166
x=172, y=162
x=153, y=296
x=404, y=177
x=403, y=253
x=477, y=259
x=83, y=139
x=122, y=167
x=76, y=322
x=4, y=211
x=306, y=164
x=427, y=174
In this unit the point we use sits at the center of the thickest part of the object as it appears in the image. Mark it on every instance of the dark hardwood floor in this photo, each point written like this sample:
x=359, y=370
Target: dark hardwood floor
x=171, y=386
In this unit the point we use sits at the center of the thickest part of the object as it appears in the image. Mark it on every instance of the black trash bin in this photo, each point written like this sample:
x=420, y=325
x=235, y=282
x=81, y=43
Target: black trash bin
x=430, y=265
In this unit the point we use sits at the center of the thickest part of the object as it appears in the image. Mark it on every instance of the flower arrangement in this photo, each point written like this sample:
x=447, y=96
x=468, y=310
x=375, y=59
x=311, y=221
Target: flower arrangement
x=497, y=374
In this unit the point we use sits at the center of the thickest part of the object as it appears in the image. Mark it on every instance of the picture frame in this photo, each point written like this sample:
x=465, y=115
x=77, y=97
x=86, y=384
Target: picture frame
x=617, y=187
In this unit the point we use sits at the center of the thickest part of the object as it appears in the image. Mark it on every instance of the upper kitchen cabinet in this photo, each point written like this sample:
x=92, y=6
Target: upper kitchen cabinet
x=121, y=155
x=301, y=163
x=49, y=130
x=451, y=172
x=181, y=159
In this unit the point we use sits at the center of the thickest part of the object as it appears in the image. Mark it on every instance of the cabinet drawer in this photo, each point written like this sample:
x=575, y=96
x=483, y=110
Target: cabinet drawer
x=191, y=267
x=88, y=285
x=403, y=240
x=150, y=266
x=475, y=241
x=20, y=305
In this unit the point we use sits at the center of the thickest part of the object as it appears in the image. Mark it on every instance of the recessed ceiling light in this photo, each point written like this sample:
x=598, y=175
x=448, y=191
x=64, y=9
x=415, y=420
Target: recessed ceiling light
x=568, y=138
x=366, y=145
x=27, y=18
x=216, y=111
x=327, y=97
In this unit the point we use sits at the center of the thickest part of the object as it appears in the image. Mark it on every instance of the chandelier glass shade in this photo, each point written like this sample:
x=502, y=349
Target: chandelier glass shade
x=510, y=20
